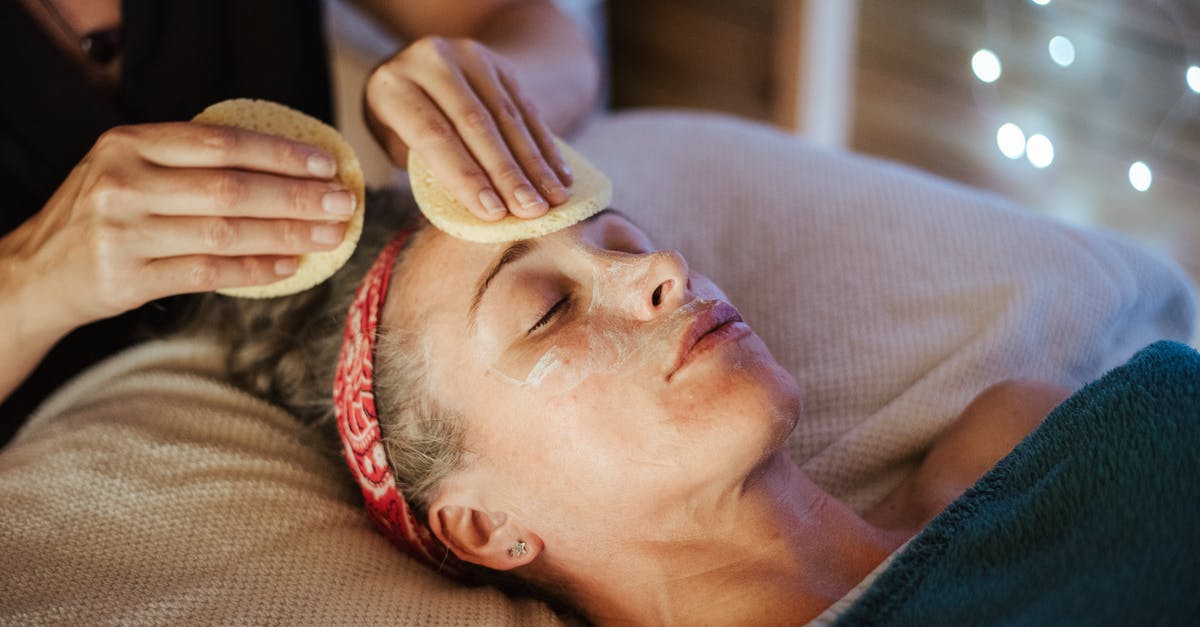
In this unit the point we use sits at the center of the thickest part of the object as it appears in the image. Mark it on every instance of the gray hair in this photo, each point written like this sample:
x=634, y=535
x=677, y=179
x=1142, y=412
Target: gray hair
x=285, y=350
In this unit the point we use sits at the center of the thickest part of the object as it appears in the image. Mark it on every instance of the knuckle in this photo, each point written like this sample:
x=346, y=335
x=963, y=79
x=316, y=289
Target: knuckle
x=303, y=198
x=221, y=139
x=476, y=120
x=507, y=112
x=218, y=234
x=475, y=176
x=440, y=45
x=227, y=189
x=537, y=169
x=384, y=77
x=202, y=276
x=107, y=194
x=288, y=152
x=472, y=48
x=291, y=236
x=115, y=138
x=511, y=173
x=428, y=48
x=436, y=131
x=254, y=271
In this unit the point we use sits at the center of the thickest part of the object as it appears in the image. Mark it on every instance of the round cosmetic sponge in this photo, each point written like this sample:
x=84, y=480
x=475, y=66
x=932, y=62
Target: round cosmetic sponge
x=275, y=119
x=590, y=192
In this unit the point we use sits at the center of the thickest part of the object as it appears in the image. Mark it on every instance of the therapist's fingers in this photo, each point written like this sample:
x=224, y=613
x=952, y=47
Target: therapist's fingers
x=240, y=193
x=533, y=123
x=476, y=124
x=196, y=145
x=159, y=237
x=204, y=273
x=418, y=122
x=437, y=87
x=513, y=128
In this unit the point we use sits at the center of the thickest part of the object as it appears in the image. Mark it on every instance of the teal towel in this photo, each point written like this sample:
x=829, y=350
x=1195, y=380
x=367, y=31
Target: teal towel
x=1093, y=519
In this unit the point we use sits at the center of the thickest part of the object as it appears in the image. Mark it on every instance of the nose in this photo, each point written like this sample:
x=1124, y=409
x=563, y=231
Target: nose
x=663, y=287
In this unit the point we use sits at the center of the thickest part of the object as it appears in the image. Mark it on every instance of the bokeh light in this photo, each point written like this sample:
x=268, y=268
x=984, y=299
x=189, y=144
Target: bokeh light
x=1039, y=150
x=1011, y=140
x=1193, y=78
x=1062, y=51
x=986, y=65
x=1140, y=176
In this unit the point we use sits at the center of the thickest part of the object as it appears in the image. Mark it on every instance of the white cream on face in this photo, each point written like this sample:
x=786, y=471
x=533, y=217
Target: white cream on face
x=606, y=349
x=548, y=363
x=602, y=337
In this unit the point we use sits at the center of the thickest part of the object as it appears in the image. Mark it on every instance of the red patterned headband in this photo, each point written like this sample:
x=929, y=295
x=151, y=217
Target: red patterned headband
x=358, y=424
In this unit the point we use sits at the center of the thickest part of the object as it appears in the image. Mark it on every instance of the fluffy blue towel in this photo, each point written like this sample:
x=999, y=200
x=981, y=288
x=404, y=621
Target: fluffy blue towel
x=1094, y=519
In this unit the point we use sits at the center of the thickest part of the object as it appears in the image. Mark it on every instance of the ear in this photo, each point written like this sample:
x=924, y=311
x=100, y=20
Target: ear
x=476, y=535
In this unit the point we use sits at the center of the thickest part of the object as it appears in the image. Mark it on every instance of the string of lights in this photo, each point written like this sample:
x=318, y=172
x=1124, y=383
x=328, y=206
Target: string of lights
x=1034, y=144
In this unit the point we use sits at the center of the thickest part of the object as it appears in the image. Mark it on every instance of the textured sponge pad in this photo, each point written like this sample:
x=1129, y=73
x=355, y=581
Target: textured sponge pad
x=275, y=119
x=590, y=192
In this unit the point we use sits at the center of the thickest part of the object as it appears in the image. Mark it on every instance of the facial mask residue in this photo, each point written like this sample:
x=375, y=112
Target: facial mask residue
x=609, y=349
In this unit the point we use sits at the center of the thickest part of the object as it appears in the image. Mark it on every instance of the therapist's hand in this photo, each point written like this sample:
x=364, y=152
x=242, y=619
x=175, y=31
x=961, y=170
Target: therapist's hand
x=457, y=104
x=160, y=209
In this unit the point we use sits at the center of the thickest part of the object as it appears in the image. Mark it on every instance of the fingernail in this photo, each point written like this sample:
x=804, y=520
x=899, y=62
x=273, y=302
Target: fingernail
x=321, y=165
x=339, y=203
x=527, y=197
x=284, y=267
x=491, y=203
x=566, y=172
x=327, y=233
x=554, y=189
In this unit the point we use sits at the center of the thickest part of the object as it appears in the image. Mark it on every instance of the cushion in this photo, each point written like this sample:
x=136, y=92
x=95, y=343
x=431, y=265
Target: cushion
x=149, y=490
x=894, y=297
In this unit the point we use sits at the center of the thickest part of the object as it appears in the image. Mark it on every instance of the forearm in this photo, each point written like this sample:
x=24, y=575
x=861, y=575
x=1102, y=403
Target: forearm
x=555, y=65
x=31, y=323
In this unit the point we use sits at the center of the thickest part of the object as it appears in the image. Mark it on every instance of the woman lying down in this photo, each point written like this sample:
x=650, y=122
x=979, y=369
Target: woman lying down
x=585, y=418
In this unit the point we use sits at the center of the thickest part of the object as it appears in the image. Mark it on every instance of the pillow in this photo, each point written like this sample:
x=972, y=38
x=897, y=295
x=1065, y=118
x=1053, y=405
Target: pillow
x=894, y=297
x=148, y=490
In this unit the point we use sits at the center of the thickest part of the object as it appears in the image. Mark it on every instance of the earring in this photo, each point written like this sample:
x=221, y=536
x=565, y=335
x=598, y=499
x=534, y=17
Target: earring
x=518, y=549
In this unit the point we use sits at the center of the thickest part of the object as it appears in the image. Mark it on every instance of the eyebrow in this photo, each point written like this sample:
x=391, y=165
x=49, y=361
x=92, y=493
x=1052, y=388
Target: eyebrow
x=512, y=254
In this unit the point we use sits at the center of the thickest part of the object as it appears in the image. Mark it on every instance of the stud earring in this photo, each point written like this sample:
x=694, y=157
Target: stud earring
x=518, y=549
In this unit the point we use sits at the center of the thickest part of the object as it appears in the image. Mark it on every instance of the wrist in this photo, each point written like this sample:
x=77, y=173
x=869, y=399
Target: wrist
x=30, y=307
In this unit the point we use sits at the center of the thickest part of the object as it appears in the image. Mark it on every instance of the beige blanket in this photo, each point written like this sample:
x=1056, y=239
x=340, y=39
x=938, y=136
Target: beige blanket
x=150, y=491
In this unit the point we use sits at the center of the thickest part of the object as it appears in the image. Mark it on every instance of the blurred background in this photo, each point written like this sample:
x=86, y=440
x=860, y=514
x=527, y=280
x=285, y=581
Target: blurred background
x=1086, y=110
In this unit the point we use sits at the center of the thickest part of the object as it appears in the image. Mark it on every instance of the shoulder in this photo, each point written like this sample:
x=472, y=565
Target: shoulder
x=986, y=431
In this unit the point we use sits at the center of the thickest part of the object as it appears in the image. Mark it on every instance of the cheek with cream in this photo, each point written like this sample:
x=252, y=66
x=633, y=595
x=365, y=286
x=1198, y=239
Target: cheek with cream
x=580, y=350
x=599, y=335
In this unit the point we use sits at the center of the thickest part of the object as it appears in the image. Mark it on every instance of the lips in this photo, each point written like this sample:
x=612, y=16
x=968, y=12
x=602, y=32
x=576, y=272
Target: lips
x=714, y=318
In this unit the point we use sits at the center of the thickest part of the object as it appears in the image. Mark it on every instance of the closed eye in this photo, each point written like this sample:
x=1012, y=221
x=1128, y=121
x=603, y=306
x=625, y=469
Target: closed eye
x=558, y=307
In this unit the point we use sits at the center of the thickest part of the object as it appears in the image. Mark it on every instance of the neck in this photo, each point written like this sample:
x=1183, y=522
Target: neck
x=787, y=553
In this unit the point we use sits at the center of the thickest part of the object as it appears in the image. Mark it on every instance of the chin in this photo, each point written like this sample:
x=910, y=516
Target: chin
x=780, y=406
x=754, y=403
x=774, y=394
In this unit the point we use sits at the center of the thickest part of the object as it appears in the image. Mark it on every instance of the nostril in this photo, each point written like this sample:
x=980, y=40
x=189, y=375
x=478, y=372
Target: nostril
x=656, y=298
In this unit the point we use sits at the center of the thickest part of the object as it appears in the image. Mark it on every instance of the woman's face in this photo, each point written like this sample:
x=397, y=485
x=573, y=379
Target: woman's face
x=603, y=384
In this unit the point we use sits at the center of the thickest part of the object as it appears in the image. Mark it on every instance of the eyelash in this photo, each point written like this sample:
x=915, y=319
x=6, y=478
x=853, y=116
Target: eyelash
x=562, y=305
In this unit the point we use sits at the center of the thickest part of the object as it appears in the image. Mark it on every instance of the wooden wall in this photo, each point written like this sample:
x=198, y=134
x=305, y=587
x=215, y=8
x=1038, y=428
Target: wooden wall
x=917, y=101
